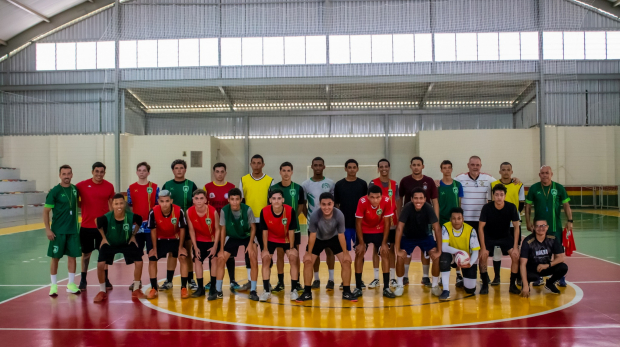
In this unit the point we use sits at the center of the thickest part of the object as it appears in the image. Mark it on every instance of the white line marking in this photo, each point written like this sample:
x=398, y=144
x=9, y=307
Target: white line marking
x=39, y=285
x=601, y=259
x=586, y=282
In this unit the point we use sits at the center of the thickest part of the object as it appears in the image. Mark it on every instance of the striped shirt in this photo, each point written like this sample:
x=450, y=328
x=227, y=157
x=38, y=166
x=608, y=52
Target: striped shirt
x=475, y=192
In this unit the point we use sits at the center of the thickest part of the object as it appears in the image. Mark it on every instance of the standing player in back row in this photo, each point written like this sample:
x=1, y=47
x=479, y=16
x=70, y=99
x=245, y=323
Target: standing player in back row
x=63, y=232
x=255, y=189
x=293, y=195
x=181, y=189
x=217, y=195
x=407, y=185
x=95, y=200
x=142, y=197
x=314, y=187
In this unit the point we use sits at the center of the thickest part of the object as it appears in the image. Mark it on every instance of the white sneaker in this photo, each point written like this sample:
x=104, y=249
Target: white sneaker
x=374, y=284
x=265, y=296
x=399, y=289
x=294, y=295
x=436, y=290
x=393, y=283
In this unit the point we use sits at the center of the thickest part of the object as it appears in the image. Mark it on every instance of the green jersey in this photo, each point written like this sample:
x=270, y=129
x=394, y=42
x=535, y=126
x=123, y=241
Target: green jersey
x=118, y=233
x=181, y=193
x=63, y=201
x=448, y=199
x=237, y=228
x=548, y=203
x=293, y=196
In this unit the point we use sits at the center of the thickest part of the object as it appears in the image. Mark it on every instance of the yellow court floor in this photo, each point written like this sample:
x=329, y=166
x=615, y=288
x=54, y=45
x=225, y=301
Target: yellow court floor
x=417, y=308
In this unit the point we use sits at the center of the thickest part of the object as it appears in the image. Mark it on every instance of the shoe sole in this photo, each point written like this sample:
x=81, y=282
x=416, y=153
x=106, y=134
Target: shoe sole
x=68, y=291
x=552, y=292
x=494, y=284
x=446, y=299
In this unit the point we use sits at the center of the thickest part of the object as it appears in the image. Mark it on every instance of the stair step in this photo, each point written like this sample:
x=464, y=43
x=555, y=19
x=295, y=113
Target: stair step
x=10, y=186
x=9, y=173
x=17, y=198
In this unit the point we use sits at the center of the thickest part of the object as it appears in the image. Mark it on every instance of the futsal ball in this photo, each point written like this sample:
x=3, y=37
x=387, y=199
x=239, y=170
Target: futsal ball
x=461, y=258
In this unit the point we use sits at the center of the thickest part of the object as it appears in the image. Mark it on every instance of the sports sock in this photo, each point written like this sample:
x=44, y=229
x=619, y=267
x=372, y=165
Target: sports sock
x=346, y=289
x=106, y=275
x=294, y=284
x=316, y=276
x=386, y=279
x=435, y=281
x=200, y=282
x=230, y=266
x=154, y=283
x=406, y=270
x=445, y=280
x=458, y=272
x=392, y=273
x=308, y=289
x=102, y=287
x=190, y=275
x=485, y=277
x=376, y=273
x=281, y=278
x=358, y=280
x=399, y=280
x=266, y=285
x=496, y=267
x=136, y=285
x=331, y=275
x=83, y=277
x=169, y=275
x=218, y=285
x=253, y=286
x=425, y=270
x=249, y=273
x=513, y=278
x=71, y=277
x=183, y=282
x=53, y=279
x=213, y=283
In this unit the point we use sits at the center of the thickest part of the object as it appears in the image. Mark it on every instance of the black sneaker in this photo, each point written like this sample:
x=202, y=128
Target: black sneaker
x=131, y=286
x=108, y=285
x=519, y=283
x=484, y=289
x=551, y=287
x=316, y=284
x=299, y=288
x=253, y=296
x=198, y=293
x=405, y=281
x=349, y=296
x=214, y=295
x=304, y=297
x=459, y=281
x=445, y=295
x=330, y=285
x=84, y=285
x=426, y=281
x=362, y=285
x=539, y=283
x=514, y=290
x=192, y=284
x=279, y=287
x=388, y=293
x=357, y=292
x=496, y=281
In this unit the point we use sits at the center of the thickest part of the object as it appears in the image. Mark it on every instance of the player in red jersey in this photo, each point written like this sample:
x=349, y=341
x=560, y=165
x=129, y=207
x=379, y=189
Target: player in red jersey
x=168, y=224
x=95, y=200
x=217, y=195
x=204, y=230
x=372, y=224
x=141, y=198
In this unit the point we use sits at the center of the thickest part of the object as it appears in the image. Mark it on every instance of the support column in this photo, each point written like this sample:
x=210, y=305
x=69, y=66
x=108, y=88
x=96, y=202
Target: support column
x=541, y=87
x=386, y=129
x=247, y=144
x=117, y=98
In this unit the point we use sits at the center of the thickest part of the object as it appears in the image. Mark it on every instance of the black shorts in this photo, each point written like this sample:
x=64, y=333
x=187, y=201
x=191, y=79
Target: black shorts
x=392, y=236
x=375, y=239
x=271, y=246
x=231, y=245
x=144, y=239
x=297, y=239
x=204, y=250
x=165, y=246
x=505, y=244
x=333, y=244
x=473, y=224
x=131, y=252
x=90, y=239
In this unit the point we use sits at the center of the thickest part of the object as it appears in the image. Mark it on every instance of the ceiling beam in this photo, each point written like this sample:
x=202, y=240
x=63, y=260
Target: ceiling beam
x=528, y=90
x=2, y=42
x=28, y=9
x=617, y=3
x=422, y=103
x=228, y=100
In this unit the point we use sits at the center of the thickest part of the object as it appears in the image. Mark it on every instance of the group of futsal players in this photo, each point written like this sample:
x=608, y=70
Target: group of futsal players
x=472, y=213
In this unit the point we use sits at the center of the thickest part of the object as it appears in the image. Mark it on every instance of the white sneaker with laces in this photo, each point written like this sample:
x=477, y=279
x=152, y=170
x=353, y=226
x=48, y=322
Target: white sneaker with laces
x=436, y=290
x=294, y=295
x=265, y=296
x=399, y=289
x=374, y=284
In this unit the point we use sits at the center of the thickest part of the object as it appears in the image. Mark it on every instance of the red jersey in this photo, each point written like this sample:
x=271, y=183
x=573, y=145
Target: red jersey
x=204, y=226
x=94, y=200
x=167, y=227
x=218, y=195
x=372, y=217
x=142, y=198
x=390, y=192
x=278, y=227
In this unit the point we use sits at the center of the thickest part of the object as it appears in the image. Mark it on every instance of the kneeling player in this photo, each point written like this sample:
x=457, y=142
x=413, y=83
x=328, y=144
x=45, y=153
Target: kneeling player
x=167, y=223
x=278, y=225
x=118, y=236
x=413, y=231
x=204, y=230
x=327, y=231
x=237, y=229
x=458, y=236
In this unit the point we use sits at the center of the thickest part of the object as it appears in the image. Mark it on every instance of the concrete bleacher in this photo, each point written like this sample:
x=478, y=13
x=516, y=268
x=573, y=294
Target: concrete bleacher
x=20, y=202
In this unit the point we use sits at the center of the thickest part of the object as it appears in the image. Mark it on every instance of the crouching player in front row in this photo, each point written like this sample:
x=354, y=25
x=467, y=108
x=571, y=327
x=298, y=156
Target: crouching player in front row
x=167, y=223
x=118, y=230
x=458, y=236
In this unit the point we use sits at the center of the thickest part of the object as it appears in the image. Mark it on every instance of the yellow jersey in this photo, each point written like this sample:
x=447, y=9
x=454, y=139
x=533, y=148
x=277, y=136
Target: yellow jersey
x=466, y=240
x=256, y=192
x=514, y=194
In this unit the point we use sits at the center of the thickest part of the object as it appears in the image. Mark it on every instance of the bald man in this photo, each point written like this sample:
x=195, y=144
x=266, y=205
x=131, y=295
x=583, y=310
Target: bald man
x=548, y=198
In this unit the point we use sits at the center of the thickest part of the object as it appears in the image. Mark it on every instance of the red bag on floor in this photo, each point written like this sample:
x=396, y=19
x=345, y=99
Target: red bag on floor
x=568, y=242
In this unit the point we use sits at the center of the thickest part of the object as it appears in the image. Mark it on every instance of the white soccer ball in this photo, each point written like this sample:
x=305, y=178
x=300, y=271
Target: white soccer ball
x=461, y=258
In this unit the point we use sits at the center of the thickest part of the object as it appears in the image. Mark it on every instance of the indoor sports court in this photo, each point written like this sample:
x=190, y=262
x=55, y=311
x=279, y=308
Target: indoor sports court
x=123, y=101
